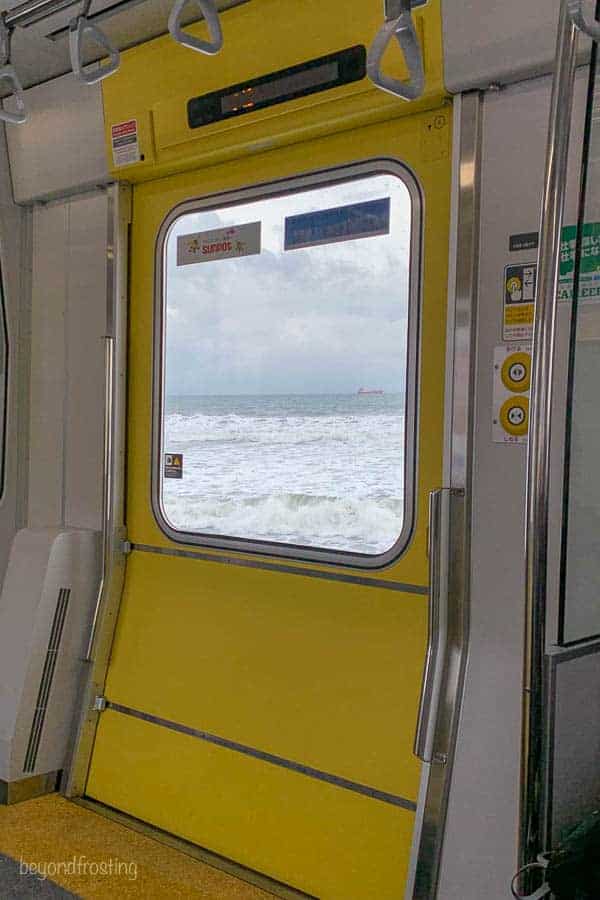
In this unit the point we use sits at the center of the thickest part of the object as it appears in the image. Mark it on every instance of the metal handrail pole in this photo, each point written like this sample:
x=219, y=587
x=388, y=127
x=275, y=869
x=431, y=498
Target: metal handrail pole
x=538, y=462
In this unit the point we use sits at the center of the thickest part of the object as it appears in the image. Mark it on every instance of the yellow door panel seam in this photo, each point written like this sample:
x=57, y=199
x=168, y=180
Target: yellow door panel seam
x=270, y=758
x=365, y=580
x=327, y=842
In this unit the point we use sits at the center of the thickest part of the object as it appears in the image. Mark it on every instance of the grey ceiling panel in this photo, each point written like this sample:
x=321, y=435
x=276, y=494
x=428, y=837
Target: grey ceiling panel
x=491, y=42
x=40, y=51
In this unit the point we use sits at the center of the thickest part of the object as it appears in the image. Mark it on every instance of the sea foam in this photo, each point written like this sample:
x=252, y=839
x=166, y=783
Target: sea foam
x=329, y=477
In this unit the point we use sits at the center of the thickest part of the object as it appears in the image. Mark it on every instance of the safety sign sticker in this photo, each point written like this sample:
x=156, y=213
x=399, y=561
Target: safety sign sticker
x=341, y=223
x=125, y=143
x=223, y=243
x=520, y=280
x=173, y=465
x=519, y=297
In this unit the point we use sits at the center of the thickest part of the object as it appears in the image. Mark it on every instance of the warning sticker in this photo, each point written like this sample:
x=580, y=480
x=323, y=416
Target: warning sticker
x=173, y=465
x=520, y=280
x=125, y=143
x=519, y=296
x=224, y=243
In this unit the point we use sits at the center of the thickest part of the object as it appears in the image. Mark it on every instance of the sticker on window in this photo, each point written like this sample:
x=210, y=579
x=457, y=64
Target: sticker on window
x=342, y=223
x=223, y=243
x=173, y=465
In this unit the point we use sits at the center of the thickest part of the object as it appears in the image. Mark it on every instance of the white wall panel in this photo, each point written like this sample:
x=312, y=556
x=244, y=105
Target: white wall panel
x=67, y=363
x=85, y=326
x=48, y=373
x=487, y=42
x=14, y=257
x=480, y=845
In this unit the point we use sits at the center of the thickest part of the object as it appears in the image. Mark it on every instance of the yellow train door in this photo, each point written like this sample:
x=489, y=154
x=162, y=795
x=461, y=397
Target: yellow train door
x=263, y=688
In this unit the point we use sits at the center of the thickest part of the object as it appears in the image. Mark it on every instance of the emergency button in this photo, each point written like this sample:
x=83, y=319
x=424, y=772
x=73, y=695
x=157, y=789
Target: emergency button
x=514, y=416
x=516, y=372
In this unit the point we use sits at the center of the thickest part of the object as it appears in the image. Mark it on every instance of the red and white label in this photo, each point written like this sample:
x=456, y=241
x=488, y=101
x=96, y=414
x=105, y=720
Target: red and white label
x=225, y=243
x=125, y=143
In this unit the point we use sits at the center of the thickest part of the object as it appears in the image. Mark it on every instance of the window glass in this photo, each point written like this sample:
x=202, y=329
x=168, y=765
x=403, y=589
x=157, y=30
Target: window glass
x=580, y=574
x=284, y=382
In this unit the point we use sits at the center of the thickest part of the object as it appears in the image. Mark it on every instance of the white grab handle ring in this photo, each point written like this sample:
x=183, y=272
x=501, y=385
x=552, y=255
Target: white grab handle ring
x=591, y=27
x=403, y=29
x=8, y=73
x=78, y=30
x=211, y=17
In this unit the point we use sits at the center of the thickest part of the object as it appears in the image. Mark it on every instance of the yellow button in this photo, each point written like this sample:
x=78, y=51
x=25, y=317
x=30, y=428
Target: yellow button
x=514, y=416
x=516, y=372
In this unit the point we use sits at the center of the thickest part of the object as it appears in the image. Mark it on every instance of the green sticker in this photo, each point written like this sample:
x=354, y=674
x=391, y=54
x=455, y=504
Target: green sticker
x=589, y=277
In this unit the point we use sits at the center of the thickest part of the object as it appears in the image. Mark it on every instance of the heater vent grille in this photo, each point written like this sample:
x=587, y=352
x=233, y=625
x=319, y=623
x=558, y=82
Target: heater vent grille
x=41, y=706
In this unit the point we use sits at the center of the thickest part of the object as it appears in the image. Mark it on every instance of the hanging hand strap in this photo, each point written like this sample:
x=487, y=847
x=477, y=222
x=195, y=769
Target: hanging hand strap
x=79, y=29
x=211, y=17
x=9, y=74
x=402, y=28
x=588, y=26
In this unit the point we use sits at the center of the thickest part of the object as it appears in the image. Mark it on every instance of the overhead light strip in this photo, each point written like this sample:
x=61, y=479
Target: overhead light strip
x=106, y=13
x=33, y=11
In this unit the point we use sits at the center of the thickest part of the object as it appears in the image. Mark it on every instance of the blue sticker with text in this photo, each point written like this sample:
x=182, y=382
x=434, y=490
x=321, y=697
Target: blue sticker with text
x=342, y=223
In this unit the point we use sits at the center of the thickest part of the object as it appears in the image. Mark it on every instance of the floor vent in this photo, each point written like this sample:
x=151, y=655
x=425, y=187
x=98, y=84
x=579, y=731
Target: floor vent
x=47, y=678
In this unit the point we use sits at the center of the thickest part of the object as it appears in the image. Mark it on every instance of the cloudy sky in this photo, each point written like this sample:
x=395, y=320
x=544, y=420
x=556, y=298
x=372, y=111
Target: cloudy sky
x=326, y=319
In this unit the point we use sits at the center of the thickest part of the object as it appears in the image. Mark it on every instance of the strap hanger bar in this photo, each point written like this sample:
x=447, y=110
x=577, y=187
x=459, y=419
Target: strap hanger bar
x=395, y=8
x=34, y=11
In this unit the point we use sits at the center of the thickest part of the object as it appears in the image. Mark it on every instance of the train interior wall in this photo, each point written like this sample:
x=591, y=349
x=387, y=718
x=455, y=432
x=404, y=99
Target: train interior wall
x=54, y=207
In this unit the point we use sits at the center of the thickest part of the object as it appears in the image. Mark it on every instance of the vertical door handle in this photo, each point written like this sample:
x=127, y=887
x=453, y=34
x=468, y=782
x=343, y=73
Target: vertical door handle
x=439, y=526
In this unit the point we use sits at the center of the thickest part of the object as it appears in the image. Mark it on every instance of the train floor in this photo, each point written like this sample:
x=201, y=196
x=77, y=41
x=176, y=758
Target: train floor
x=52, y=848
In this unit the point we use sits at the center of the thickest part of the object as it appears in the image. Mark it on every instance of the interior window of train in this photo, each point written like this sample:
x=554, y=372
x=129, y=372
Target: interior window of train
x=287, y=383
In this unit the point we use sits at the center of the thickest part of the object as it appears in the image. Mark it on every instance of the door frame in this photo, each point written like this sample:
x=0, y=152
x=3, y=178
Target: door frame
x=463, y=279
x=464, y=228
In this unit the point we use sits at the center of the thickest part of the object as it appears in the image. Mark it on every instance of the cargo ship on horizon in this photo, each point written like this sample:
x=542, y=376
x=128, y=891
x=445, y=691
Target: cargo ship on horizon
x=364, y=390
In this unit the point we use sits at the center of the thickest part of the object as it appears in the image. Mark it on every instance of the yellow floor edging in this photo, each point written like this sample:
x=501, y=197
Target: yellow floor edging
x=95, y=857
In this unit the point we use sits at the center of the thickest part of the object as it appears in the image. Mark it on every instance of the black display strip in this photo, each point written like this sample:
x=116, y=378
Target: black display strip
x=320, y=74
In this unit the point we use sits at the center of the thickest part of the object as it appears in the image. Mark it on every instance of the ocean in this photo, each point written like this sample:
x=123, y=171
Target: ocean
x=323, y=470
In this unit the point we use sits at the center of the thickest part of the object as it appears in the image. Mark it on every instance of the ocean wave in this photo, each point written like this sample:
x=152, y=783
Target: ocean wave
x=349, y=523
x=235, y=429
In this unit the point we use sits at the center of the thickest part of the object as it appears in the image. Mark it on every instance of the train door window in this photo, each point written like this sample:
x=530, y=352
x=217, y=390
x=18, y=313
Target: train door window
x=580, y=576
x=285, y=377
